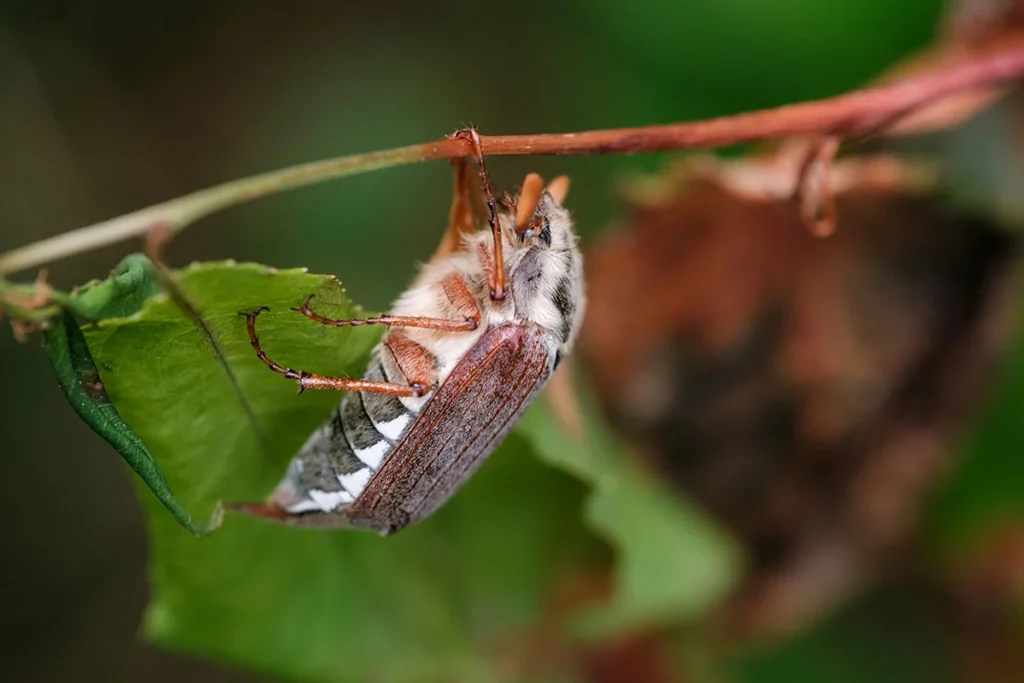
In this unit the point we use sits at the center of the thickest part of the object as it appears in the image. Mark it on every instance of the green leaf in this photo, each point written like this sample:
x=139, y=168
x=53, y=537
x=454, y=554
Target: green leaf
x=673, y=562
x=124, y=293
x=438, y=601
x=443, y=599
x=79, y=380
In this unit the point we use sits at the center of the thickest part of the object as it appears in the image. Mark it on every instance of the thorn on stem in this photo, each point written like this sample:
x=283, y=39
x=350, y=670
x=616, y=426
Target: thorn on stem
x=814, y=187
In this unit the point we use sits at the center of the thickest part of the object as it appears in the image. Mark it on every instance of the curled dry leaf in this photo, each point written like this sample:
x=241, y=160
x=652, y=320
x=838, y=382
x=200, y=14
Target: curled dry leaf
x=808, y=392
x=18, y=304
x=971, y=29
x=974, y=23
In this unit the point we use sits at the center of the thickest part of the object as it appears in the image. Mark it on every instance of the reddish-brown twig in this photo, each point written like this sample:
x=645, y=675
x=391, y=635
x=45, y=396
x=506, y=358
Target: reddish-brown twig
x=857, y=113
x=846, y=116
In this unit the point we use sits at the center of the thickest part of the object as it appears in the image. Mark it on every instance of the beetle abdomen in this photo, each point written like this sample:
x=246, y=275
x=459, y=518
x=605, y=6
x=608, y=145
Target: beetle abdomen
x=337, y=462
x=329, y=485
x=462, y=424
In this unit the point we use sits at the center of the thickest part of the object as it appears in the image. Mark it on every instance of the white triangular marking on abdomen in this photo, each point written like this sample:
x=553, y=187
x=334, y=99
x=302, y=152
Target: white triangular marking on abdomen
x=393, y=429
x=355, y=483
x=373, y=455
x=329, y=500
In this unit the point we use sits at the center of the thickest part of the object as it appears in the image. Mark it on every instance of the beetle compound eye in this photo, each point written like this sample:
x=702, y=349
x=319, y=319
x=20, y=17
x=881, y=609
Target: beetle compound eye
x=545, y=233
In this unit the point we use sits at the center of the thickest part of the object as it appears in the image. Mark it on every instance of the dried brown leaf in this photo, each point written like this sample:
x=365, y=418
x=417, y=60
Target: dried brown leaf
x=807, y=391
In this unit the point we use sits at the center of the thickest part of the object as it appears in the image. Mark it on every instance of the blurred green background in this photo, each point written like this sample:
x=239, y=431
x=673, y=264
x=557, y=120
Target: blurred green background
x=112, y=105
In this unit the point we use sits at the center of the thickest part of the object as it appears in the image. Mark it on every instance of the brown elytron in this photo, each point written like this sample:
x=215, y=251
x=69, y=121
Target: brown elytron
x=469, y=345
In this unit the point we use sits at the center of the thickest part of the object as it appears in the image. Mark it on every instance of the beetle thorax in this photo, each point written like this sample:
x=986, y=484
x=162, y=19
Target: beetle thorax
x=544, y=285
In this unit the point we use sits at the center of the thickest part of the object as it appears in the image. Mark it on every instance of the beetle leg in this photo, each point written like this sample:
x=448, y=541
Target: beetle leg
x=460, y=296
x=467, y=204
x=310, y=380
x=467, y=324
x=417, y=365
x=498, y=271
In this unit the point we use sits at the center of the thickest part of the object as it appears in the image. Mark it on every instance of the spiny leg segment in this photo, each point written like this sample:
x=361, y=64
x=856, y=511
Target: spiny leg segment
x=498, y=272
x=468, y=324
x=309, y=380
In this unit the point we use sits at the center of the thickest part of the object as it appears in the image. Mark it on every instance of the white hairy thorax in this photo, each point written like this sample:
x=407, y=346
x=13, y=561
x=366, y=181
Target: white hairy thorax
x=534, y=273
